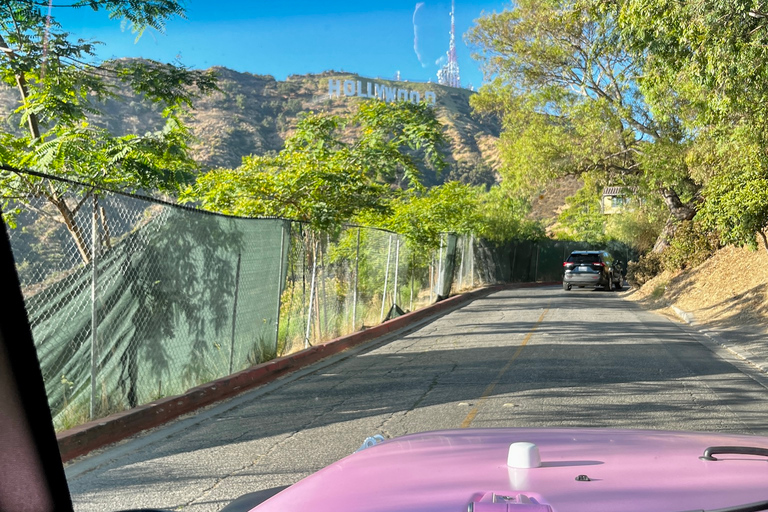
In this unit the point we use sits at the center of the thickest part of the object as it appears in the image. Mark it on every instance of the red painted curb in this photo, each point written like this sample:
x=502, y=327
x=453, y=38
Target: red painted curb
x=84, y=438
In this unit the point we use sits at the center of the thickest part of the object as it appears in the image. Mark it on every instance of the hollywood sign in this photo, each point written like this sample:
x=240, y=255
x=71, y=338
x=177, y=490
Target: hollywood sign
x=337, y=88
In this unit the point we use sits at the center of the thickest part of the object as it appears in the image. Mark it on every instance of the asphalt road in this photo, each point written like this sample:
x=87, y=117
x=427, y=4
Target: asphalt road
x=537, y=357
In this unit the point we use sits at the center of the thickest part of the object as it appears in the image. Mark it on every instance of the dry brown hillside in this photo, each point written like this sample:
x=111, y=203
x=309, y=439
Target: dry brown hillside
x=727, y=292
x=253, y=114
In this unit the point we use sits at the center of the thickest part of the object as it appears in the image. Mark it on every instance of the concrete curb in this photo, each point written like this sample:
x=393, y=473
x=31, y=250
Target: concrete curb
x=684, y=315
x=96, y=434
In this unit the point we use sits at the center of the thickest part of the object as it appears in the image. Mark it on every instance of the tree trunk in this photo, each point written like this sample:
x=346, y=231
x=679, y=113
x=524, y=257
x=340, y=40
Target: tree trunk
x=21, y=82
x=67, y=214
x=77, y=235
x=678, y=212
x=676, y=207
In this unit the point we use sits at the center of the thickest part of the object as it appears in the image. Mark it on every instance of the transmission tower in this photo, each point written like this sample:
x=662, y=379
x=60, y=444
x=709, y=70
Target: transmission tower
x=449, y=73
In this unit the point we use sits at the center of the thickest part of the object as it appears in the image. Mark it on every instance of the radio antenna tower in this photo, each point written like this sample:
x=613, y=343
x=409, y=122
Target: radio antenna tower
x=449, y=73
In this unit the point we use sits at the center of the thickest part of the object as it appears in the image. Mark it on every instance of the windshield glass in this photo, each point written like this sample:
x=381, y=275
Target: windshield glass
x=584, y=258
x=357, y=215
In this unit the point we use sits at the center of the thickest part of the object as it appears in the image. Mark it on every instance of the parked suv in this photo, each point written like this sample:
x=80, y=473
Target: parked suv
x=592, y=268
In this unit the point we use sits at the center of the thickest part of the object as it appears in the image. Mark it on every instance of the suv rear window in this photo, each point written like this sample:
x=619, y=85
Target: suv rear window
x=583, y=258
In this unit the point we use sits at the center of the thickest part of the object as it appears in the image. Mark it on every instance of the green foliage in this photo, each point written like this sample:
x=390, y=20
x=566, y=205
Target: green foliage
x=644, y=269
x=711, y=50
x=61, y=86
x=637, y=227
x=503, y=217
x=472, y=172
x=565, y=89
x=582, y=219
x=422, y=215
x=324, y=178
x=736, y=205
x=568, y=88
x=706, y=62
x=691, y=246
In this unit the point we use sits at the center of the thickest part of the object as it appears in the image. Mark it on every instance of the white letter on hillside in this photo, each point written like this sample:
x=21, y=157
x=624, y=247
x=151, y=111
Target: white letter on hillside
x=349, y=88
x=360, y=90
x=380, y=91
x=334, y=88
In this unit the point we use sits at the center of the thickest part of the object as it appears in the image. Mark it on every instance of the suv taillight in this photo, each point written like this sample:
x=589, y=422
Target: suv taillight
x=568, y=264
x=598, y=264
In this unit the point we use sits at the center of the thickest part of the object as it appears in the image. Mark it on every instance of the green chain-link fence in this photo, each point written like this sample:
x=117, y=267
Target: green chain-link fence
x=137, y=299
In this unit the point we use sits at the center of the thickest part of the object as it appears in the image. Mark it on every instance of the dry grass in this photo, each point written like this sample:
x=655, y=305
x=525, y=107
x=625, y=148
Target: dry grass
x=727, y=292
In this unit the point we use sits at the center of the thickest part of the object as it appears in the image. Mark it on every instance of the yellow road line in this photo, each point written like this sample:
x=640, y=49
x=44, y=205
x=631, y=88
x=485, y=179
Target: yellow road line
x=489, y=389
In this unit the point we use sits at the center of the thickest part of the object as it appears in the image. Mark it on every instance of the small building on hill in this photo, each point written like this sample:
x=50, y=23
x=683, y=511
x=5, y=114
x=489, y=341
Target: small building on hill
x=615, y=199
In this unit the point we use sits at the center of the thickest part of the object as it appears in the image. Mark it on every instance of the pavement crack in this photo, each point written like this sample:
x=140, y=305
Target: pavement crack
x=431, y=386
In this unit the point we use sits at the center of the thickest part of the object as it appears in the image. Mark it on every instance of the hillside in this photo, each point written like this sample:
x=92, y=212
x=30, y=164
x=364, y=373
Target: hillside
x=253, y=114
x=727, y=293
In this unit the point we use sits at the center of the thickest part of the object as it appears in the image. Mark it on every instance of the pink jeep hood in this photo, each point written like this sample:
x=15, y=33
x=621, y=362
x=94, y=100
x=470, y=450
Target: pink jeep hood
x=581, y=470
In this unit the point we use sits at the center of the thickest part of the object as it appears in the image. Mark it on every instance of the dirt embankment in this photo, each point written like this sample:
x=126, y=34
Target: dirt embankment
x=728, y=292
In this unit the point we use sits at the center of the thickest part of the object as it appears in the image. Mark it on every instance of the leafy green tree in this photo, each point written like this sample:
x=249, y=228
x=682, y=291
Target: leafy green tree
x=708, y=59
x=583, y=219
x=504, y=217
x=472, y=172
x=712, y=53
x=421, y=215
x=325, y=176
x=567, y=90
x=61, y=87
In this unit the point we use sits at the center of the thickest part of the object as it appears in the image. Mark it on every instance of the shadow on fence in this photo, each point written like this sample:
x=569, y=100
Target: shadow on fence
x=139, y=299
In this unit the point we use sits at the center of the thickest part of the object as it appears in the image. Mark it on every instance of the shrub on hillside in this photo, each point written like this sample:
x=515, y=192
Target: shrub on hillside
x=690, y=247
x=644, y=269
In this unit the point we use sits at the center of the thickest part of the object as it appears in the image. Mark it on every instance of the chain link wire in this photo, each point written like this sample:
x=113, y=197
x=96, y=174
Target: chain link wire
x=136, y=299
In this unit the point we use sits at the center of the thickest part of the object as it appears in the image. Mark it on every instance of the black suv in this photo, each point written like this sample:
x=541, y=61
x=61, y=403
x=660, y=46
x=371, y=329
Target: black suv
x=592, y=268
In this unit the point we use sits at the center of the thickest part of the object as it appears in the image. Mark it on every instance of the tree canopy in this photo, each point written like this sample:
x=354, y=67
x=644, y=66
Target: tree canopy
x=662, y=96
x=61, y=89
x=708, y=60
x=332, y=168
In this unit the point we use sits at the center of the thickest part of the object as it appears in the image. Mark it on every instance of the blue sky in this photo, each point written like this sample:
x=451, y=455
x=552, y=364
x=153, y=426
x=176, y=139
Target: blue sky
x=282, y=38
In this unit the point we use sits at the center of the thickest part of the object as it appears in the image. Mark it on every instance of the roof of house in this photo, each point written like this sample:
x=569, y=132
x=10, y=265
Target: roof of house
x=618, y=191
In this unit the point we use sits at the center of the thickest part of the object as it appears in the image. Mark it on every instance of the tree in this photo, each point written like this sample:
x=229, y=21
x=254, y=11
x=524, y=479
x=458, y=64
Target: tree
x=62, y=88
x=422, y=215
x=325, y=176
x=567, y=90
x=708, y=59
x=472, y=172
x=582, y=219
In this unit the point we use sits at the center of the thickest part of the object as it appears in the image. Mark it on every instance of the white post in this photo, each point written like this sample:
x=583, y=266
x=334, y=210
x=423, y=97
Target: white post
x=94, y=308
x=461, y=266
x=397, y=267
x=311, y=295
x=472, y=259
x=357, y=272
x=439, y=267
x=386, y=277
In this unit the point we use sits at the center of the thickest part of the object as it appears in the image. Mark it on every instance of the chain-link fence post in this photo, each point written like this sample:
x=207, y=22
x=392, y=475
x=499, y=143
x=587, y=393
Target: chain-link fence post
x=283, y=275
x=94, y=305
x=234, y=315
x=472, y=260
x=395, y=298
x=311, y=294
x=386, y=278
x=357, y=282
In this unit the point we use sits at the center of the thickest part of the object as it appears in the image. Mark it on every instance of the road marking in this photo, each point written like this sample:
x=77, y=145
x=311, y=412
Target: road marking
x=489, y=389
